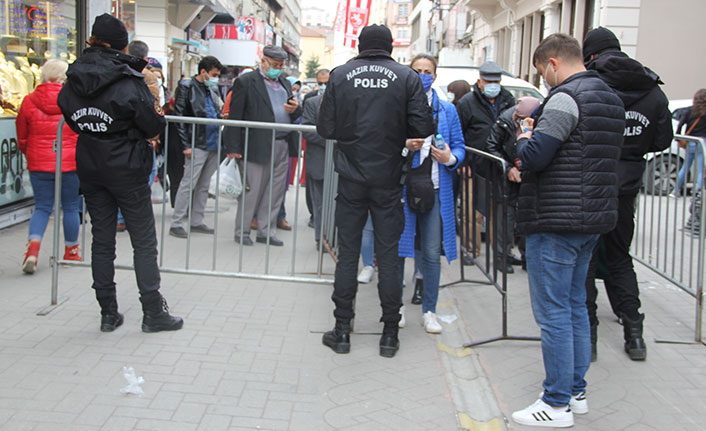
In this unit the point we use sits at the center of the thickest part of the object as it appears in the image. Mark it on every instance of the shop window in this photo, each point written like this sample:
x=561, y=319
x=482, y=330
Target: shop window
x=32, y=33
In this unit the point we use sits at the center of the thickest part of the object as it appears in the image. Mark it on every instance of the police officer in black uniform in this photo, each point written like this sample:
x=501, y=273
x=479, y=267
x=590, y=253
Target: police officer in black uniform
x=371, y=106
x=648, y=128
x=106, y=101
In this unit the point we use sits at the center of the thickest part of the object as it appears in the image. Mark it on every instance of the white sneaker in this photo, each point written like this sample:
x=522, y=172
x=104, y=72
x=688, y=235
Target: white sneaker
x=431, y=325
x=366, y=275
x=403, y=321
x=541, y=414
x=578, y=403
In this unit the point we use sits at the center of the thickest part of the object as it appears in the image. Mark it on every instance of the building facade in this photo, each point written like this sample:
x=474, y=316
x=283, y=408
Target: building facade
x=317, y=43
x=508, y=31
x=397, y=15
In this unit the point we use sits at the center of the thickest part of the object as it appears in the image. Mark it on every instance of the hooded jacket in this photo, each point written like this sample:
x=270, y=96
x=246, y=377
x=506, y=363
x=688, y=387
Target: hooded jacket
x=372, y=104
x=648, y=122
x=106, y=101
x=36, y=124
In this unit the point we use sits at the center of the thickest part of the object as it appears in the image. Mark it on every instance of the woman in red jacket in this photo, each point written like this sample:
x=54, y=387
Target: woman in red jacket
x=36, y=132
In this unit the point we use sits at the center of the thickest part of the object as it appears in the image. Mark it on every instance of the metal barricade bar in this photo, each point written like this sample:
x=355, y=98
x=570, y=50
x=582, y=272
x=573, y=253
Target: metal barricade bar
x=493, y=241
x=327, y=219
x=672, y=257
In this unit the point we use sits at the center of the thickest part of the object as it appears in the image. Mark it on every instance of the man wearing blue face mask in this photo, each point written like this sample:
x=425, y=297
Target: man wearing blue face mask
x=478, y=111
x=197, y=97
x=263, y=95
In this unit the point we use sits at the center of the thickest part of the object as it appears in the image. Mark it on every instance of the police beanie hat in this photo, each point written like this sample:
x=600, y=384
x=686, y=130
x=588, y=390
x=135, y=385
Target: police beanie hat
x=598, y=40
x=375, y=37
x=110, y=30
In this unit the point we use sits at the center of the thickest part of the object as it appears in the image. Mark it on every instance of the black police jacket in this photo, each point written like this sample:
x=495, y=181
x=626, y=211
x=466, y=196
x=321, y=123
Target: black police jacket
x=190, y=101
x=106, y=101
x=648, y=122
x=477, y=116
x=251, y=102
x=372, y=104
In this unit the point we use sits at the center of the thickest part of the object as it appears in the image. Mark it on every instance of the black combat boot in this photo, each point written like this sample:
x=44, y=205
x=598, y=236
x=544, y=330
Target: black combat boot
x=156, y=314
x=418, y=291
x=339, y=339
x=389, y=343
x=594, y=342
x=110, y=318
x=634, y=344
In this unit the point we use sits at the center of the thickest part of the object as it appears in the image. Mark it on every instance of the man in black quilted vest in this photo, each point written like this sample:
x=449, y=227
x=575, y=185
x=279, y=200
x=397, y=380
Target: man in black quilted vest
x=568, y=197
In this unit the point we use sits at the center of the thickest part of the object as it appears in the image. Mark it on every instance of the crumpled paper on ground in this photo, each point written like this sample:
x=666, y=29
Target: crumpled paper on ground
x=448, y=319
x=133, y=382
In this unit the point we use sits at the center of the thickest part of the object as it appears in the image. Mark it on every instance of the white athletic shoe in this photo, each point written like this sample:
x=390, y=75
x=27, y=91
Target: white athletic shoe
x=403, y=321
x=366, y=275
x=431, y=325
x=541, y=414
x=578, y=403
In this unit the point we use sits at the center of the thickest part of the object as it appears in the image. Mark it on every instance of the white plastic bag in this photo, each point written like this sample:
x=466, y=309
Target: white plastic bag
x=133, y=382
x=230, y=185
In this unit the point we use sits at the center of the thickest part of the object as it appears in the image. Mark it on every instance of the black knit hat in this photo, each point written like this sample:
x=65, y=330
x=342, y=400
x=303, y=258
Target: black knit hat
x=375, y=37
x=598, y=40
x=110, y=30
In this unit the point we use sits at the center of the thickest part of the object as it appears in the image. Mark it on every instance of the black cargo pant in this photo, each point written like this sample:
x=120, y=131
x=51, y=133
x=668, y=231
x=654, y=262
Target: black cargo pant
x=352, y=205
x=134, y=199
x=621, y=281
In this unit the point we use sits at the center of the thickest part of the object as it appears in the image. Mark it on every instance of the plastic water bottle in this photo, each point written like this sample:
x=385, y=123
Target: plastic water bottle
x=439, y=141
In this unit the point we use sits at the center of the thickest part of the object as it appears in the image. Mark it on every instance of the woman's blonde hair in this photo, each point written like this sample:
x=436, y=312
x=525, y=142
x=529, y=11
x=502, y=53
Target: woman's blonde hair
x=54, y=71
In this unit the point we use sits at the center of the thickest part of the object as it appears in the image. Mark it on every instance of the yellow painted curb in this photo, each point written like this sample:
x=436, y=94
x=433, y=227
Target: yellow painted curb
x=469, y=424
x=460, y=352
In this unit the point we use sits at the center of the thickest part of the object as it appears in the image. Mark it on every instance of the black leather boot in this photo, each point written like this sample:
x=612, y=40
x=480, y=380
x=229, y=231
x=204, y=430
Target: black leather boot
x=110, y=318
x=418, y=291
x=389, y=343
x=339, y=339
x=634, y=344
x=156, y=314
x=594, y=342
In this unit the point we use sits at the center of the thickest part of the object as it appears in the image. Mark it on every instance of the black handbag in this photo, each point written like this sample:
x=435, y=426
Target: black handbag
x=420, y=189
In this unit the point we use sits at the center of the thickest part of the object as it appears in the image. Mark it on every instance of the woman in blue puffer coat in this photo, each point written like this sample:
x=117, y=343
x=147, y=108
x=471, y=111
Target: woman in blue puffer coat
x=438, y=224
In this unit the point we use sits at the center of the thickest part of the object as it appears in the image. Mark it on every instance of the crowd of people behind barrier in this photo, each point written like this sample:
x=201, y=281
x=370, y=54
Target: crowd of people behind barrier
x=566, y=198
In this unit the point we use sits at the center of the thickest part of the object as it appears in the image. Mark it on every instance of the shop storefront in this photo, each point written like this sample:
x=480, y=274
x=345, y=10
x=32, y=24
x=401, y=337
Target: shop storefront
x=32, y=33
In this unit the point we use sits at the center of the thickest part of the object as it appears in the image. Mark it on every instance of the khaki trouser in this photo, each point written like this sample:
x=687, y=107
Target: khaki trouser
x=470, y=241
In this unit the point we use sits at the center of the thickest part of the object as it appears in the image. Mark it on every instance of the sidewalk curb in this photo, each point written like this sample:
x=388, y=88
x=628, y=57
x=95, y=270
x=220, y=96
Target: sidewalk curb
x=476, y=405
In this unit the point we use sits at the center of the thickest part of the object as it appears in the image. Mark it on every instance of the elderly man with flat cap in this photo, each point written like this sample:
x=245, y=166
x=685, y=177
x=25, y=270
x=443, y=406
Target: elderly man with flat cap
x=264, y=96
x=478, y=111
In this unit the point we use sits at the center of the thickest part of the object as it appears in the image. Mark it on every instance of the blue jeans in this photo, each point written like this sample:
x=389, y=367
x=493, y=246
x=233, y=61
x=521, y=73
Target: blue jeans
x=153, y=174
x=367, y=247
x=427, y=260
x=43, y=187
x=692, y=149
x=557, y=264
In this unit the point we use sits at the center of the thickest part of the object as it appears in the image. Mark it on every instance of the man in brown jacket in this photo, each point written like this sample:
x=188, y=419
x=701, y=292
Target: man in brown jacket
x=140, y=49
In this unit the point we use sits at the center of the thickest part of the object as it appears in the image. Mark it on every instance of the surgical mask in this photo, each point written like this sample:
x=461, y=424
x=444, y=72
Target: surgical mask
x=212, y=81
x=160, y=82
x=322, y=88
x=491, y=91
x=427, y=80
x=544, y=79
x=273, y=73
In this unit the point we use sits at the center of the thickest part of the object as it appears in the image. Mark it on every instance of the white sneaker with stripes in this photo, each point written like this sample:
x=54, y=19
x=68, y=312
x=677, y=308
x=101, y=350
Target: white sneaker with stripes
x=541, y=414
x=578, y=403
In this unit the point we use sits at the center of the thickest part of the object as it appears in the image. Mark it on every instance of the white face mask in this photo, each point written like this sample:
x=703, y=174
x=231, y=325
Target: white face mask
x=544, y=77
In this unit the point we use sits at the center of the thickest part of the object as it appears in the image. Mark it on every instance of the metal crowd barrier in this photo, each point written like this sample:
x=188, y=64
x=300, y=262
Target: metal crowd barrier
x=486, y=197
x=664, y=241
x=295, y=274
